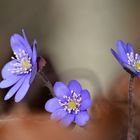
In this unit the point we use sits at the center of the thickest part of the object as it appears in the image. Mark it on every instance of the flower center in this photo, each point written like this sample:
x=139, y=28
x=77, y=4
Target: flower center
x=137, y=66
x=23, y=63
x=71, y=103
x=134, y=61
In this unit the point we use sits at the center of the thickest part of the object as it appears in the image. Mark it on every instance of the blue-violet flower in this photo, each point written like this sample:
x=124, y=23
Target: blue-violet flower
x=21, y=70
x=70, y=104
x=129, y=60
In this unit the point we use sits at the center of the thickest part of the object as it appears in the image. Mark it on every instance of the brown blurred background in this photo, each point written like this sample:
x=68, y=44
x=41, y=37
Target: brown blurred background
x=75, y=37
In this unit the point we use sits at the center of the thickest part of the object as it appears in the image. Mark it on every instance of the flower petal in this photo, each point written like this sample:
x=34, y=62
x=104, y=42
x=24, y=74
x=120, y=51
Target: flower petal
x=6, y=69
x=130, y=69
x=17, y=42
x=117, y=56
x=14, y=89
x=75, y=86
x=67, y=120
x=127, y=67
x=60, y=89
x=129, y=48
x=52, y=105
x=82, y=118
x=10, y=81
x=33, y=73
x=138, y=57
x=120, y=46
x=27, y=45
x=138, y=75
x=34, y=55
x=23, y=89
x=86, y=100
x=58, y=114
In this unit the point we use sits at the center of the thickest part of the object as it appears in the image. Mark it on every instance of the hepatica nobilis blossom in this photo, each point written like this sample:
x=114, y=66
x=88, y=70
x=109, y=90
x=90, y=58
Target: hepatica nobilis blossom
x=70, y=104
x=21, y=70
x=127, y=58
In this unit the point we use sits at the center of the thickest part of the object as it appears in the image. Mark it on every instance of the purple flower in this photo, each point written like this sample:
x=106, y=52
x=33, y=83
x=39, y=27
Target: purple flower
x=129, y=60
x=21, y=70
x=70, y=104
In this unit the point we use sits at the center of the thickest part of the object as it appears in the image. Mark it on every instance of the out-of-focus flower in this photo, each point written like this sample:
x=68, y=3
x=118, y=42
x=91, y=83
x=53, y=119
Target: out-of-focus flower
x=21, y=70
x=129, y=60
x=70, y=104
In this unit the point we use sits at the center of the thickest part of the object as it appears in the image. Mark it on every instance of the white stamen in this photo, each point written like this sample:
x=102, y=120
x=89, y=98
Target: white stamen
x=133, y=60
x=23, y=63
x=73, y=98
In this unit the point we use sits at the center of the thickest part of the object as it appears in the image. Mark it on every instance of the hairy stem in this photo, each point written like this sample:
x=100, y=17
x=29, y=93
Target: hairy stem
x=46, y=81
x=130, y=134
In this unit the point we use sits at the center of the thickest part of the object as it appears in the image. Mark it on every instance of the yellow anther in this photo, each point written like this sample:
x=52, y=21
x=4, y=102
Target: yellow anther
x=137, y=66
x=72, y=105
x=25, y=64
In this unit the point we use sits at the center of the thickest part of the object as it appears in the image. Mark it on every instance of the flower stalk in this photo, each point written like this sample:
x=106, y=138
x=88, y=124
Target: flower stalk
x=46, y=81
x=130, y=134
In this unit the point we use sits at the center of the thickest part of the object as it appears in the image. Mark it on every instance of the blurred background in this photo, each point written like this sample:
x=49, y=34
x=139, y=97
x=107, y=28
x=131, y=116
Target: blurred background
x=75, y=37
